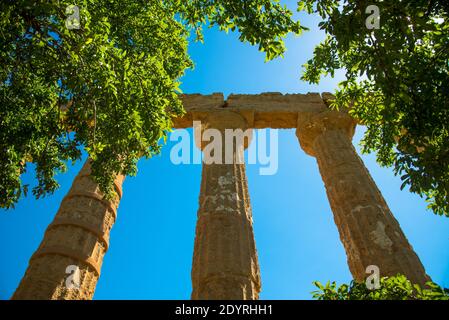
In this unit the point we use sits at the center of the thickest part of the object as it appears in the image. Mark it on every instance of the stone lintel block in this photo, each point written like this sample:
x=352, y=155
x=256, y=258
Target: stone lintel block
x=198, y=103
x=266, y=110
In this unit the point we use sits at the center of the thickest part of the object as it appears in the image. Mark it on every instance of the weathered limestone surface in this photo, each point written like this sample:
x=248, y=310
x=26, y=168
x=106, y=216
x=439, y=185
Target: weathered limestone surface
x=225, y=265
x=198, y=102
x=78, y=236
x=368, y=230
x=275, y=110
x=266, y=110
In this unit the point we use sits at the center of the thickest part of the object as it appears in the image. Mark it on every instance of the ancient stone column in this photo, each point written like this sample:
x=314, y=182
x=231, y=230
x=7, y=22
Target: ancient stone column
x=67, y=263
x=369, y=232
x=225, y=265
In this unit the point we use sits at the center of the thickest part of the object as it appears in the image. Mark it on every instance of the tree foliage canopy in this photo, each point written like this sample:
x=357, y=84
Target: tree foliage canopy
x=390, y=288
x=107, y=83
x=110, y=86
x=397, y=81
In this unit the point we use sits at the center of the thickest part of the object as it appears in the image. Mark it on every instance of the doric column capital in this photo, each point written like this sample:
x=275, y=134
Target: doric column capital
x=313, y=125
x=86, y=171
x=223, y=120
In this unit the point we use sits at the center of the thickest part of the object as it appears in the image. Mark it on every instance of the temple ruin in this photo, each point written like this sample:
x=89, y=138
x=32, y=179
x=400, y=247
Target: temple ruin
x=225, y=264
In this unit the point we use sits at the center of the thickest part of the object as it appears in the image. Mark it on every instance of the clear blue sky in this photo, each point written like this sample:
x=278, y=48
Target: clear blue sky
x=152, y=242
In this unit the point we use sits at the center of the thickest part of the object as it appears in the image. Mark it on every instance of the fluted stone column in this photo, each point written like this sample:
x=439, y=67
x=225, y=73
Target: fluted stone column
x=225, y=265
x=368, y=230
x=76, y=241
